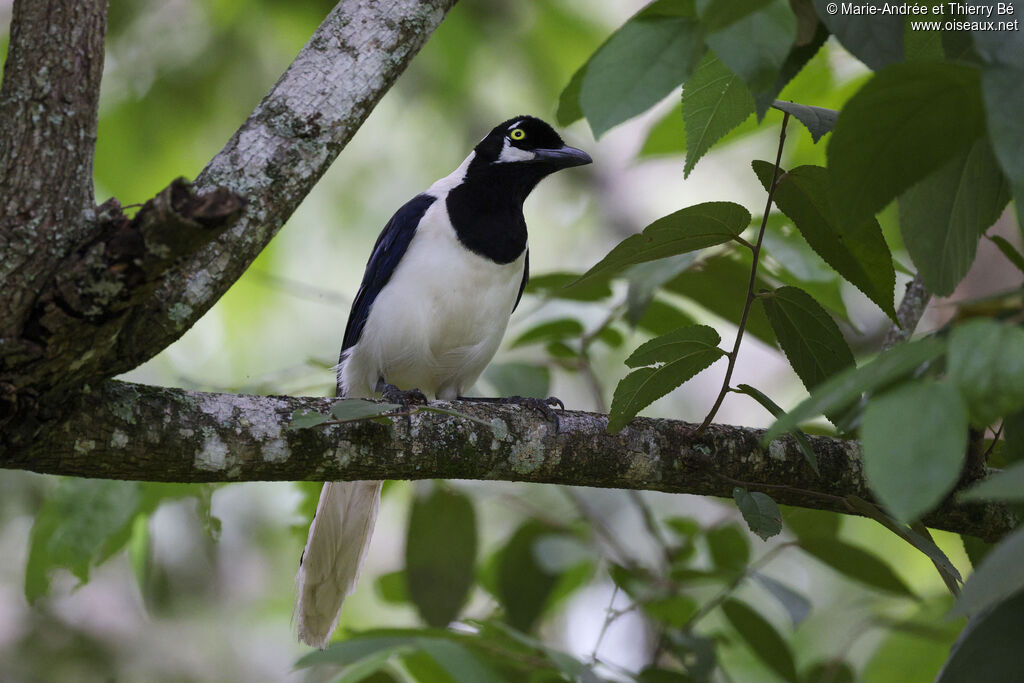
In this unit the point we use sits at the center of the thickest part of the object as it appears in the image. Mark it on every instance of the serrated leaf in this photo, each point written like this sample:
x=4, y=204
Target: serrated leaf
x=988, y=648
x=944, y=215
x=646, y=278
x=1000, y=575
x=759, y=511
x=552, y=330
x=986, y=362
x=648, y=57
x=661, y=318
x=875, y=39
x=358, y=409
x=772, y=407
x=304, y=419
x=799, y=55
x=897, y=130
x=1005, y=486
x=667, y=136
x=440, y=554
x=817, y=120
x=681, y=354
x=755, y=45
x=796, y=605
x=762, y=638
x=689, y=229
x=715, y=100
x=728, y=547
x=843, y=389
x=912, y=461
x=807, y=334
x=856, y=563
x=857, y=251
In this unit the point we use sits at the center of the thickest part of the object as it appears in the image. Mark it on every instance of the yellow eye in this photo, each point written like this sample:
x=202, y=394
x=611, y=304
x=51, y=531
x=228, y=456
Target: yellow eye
x=517, y=134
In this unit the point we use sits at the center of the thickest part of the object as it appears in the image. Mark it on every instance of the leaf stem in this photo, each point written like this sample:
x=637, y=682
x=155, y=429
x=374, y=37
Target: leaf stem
x=750, y=285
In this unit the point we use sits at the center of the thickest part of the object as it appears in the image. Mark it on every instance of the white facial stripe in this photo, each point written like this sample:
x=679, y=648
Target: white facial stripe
x=514, y=126
x=510, y=154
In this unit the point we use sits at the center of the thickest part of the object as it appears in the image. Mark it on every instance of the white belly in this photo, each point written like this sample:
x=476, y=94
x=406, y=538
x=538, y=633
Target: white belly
x=438, y=321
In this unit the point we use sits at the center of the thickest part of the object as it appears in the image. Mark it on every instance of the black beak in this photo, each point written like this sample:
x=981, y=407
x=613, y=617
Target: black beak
x=563, y=157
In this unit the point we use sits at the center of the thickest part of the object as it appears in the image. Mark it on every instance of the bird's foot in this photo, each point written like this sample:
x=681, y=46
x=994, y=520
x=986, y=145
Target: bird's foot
x=541, y=406
x=412, y=397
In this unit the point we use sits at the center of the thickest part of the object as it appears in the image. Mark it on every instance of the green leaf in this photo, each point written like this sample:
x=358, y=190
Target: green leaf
x=807, y=334
x=896, y=130
x=522, y=585
x=391, y=587
x=772, y=407
x=759, y=511
x=817, y=120
x=796, y=605
x=649, y=56
x=857, y=251
x=715, y=16
x=914, y=647
x=986, y=362
x=799, y=55
x=557, y=286
x=440, y=554
x=1013, y=437
x=943, y=216
x=646, y=278
x=729, y=547
x=1005, y=486
x=1009, y=251
x=563, y=328
x=719, y=284
x=989, y=647
x=1000, y=575
x=875, y=39
x=674, y=610
x=756, y=45
x=856, y=563
x=832, y=671
x=843, y=389
x=715, y=100
x=459, y=661
x=762, y=638
x=519, y=379
x=569, y=110
x=358, y=409
x=805, y=523
x=661, y=318
x=75, y=526
x=1001, y=76
x=913, y=459
x=681, y=354
x=304, y=419
x=667, y=136
x=689, y=229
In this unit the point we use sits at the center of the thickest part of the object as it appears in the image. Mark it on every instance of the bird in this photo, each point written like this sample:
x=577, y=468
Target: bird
x=443, y=278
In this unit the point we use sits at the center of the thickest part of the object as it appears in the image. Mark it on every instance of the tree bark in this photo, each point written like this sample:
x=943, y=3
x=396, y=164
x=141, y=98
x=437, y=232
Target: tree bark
x=48, y=106
x=131, y=431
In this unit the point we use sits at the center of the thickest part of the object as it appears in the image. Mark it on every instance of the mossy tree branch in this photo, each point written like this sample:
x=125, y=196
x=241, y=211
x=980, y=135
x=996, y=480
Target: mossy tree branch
x=131, y=431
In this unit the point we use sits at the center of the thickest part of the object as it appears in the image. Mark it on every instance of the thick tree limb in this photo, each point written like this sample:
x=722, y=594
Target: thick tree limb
x=130, y=431
x=48, y=105
x=281, y=151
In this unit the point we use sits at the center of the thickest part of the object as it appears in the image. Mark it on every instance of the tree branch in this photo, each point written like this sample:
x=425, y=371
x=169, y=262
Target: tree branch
x=48, y=106
x=131, y=431
x=915, y=300
x=280, y=152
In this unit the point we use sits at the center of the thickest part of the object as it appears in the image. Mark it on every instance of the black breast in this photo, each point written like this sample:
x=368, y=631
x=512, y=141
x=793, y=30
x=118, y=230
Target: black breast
x=486, y=211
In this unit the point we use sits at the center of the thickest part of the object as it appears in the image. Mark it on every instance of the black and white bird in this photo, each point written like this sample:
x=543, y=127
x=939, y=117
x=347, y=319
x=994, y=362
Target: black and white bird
x=443, y=279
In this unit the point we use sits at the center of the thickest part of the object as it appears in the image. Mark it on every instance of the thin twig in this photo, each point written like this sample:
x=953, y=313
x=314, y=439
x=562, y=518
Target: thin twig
x=750, y=286
x=911, y=309
x=609, y=617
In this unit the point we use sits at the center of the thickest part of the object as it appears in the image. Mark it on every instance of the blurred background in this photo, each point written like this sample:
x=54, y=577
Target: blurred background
x=204, y=589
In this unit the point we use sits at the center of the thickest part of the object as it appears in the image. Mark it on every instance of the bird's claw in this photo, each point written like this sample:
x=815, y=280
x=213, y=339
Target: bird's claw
x=392, y=394
x=542, y=406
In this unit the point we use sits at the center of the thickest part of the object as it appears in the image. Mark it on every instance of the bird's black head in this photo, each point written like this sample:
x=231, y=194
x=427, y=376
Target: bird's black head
x=526, y=142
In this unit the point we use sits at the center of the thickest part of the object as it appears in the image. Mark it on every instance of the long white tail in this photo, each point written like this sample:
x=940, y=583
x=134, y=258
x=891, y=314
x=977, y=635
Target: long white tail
x=335, y=549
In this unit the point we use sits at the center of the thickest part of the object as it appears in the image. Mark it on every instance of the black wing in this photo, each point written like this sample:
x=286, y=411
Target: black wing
x=526, y=278
x=387, y=252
